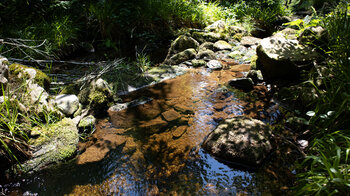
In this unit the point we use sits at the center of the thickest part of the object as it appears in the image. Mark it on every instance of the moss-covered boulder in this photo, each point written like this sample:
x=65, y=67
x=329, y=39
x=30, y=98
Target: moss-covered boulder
x=180, y=44
x=183, y=56
x=209, y=36
x=96, y=95
x=25, y=72
x=198, y=63
x=53, y=144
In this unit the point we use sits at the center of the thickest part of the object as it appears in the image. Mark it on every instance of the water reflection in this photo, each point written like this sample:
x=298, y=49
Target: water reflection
x=154, y=148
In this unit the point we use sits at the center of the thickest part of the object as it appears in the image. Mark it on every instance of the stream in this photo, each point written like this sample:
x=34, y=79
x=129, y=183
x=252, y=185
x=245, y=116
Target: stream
x=154, y=148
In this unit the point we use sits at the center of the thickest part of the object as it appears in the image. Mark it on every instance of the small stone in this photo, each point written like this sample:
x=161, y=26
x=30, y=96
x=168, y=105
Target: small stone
x=255, y=75
x=222, y=45
x=198, y=63
x=4, y=72
x=183, y=109
x=214, y=64
x=68, y=104
x=171, y=115
x=88, y=121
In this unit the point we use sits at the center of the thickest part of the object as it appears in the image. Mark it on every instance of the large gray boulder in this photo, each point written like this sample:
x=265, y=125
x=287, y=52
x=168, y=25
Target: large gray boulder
x=241, y=140
x=67, y=104
x=4, y=72
x=280, y=58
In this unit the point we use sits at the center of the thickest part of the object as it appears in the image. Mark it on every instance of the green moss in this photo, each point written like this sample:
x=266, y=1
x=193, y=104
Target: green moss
x=238, y=36
x=253, y=60
x=41, y=78
x=57, y=142
x=97, y=97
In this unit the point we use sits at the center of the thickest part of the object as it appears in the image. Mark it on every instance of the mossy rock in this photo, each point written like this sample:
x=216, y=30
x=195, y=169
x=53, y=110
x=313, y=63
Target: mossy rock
x=55, y=143
x=209, y=36
x=41, y=78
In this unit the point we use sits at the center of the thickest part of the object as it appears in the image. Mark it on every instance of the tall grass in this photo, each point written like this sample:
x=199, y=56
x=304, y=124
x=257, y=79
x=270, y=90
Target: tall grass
x=326, y=169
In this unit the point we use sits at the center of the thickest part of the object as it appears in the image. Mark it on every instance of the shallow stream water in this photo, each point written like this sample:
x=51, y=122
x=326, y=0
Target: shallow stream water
x=155, y=148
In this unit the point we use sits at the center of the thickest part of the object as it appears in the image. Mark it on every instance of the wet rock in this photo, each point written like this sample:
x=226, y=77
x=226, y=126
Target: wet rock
x=179, y=131
x=303, y=94
x=178, y=58
x=255, y=75
x=153, y=126
x=222, y=45
x=183, y=109
x=214, y=65
x=180, y=44
x=280, y=58
x=171, y=115
x=245, y=84
x=57, y=142
x=31, y=74
x=249, y=41
x=206, y=46
x=241, y=140
x=206, y=54
x=88, y=121
x=198, y=63
x=4, y=72
x=67, y=104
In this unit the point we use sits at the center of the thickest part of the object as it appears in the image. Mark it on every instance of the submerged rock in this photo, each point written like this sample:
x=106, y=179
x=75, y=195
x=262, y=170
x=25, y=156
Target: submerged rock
x=280, y=58
x=56, y=142
x=242, y=140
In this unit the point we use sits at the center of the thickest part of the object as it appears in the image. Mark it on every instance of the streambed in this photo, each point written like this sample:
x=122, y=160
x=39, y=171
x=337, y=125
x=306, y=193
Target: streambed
x=155, y=148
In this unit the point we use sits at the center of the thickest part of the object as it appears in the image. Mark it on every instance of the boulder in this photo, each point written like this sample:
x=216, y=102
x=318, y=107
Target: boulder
x=54, y=143
x=255, y=75
x=250, y=41
x=67, y=104
x=198, y=63
x=4, y=73
x=178, y=58
x=206, y=46
x=280, y=58
x=38, y=96
x=206, y=54
x=214, y=65
x=245, y=84
x=287, y=33
x=241, y=140
x=209, y=36
x=222, y=45
x=180, y=44
x=32, y=74
x=97, y=94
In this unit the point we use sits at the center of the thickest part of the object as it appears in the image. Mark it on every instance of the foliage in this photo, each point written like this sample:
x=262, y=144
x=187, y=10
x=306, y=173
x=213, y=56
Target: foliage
x=326, y=169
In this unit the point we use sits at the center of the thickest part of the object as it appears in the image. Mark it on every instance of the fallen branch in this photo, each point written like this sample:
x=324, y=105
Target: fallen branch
x=51, y=61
